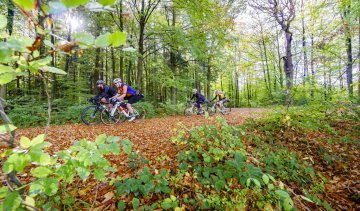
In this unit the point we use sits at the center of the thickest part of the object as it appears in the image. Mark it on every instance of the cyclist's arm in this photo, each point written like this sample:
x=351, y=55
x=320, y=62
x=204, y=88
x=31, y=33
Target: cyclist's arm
x=99, y=95
x=192, y=97
x=214, y=98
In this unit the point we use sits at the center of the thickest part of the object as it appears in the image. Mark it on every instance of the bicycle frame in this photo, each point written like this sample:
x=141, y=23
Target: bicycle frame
x=125, y=111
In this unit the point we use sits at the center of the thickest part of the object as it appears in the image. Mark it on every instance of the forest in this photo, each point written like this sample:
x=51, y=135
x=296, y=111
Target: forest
x=279, y=128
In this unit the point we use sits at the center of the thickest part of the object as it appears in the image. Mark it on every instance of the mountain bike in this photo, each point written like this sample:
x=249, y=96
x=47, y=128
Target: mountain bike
x=91, y=114
x=121, y=113
x=214, y=108
x=191, y=109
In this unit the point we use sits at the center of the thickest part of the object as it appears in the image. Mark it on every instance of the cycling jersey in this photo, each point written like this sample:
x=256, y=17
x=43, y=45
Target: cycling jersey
x=106, y=92
x=221, y=96
x=127, y=89
x=199, y=97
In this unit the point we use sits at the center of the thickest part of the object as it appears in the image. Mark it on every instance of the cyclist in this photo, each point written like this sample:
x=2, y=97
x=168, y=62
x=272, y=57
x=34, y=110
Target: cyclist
x=105, y=92
x=126, y=92
x=200, y=99
x=222, y=98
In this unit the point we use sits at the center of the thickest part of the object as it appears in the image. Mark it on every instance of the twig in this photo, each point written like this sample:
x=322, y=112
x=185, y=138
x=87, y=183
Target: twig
x=92, y=205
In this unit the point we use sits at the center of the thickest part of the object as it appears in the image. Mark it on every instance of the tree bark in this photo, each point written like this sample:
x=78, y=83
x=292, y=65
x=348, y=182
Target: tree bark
x=208, y=78
x=173, y=59
x=349, y=76
x=312, y=81
x=267, y=82
x=305, y=73
x=281, y=78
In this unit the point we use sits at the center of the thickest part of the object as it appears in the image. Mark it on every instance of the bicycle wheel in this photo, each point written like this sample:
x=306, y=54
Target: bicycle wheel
x=107, y=119
x=139, y=111
x=224, y=110
x=91, y=115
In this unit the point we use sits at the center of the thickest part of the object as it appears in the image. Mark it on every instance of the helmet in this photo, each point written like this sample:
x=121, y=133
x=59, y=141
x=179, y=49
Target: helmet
x=117, y=80
x=215, y=92
x=100, y=82
x=194, y=91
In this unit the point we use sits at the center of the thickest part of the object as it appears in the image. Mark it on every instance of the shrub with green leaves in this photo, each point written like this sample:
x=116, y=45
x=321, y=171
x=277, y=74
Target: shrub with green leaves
x=54, y=172
x=214, y=156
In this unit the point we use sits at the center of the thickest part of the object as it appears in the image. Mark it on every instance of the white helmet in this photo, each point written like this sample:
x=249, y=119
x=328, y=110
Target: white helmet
x=215, y=92
x=194, y=91
x=117, y=80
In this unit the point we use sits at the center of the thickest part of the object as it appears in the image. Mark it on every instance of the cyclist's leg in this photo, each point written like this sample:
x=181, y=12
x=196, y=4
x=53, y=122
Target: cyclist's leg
x=131, y=100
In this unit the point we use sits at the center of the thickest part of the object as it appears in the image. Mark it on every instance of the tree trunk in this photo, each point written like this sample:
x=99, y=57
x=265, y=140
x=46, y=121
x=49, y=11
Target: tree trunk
x=68, y=57
x=312, y=81
x=267, y=82
x=281, y=78
x=121, y=60
x=173, y=59
x=359, y=64
x=305, y=74
x=113, y=64
x=237, y=97
x=288, y=67
x=208, y=78
x=54, y=85
x=349, y=77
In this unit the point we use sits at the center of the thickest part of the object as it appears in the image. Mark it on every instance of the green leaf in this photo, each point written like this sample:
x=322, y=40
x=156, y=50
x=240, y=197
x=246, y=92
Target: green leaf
x=5, y=69
x=145, y=178
x=44, y=159
x=26, y=4
x=106, y=2
x=265, y=179
x=121, y=205
x=248, y=181
x=84, y=38
x=8, y=166
x=99, y=174
x=50, y=186
x=169, y=203
x=288, y=204
x=12, y=201
x=219, y=185
x=3, y=192
x=48, y=43
x=35, y=189
x=6, y=78
x=38, y=140
x=41, y=172
x=114, y=148
x=117, y=38
x=19, y=43
x=7, y=128
x=30, y=201
x=257, y=182
x=135, y=203
x=100, y=139
x=102, y=40
x=282, y=194
x=127, y=146
x=3, y=21
x=53, y=70
x=25, y=142
x=83, y=172
x=16, y=162
x=74, y=3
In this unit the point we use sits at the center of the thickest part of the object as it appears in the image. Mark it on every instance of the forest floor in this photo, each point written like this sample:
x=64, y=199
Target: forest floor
x=151, y=137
